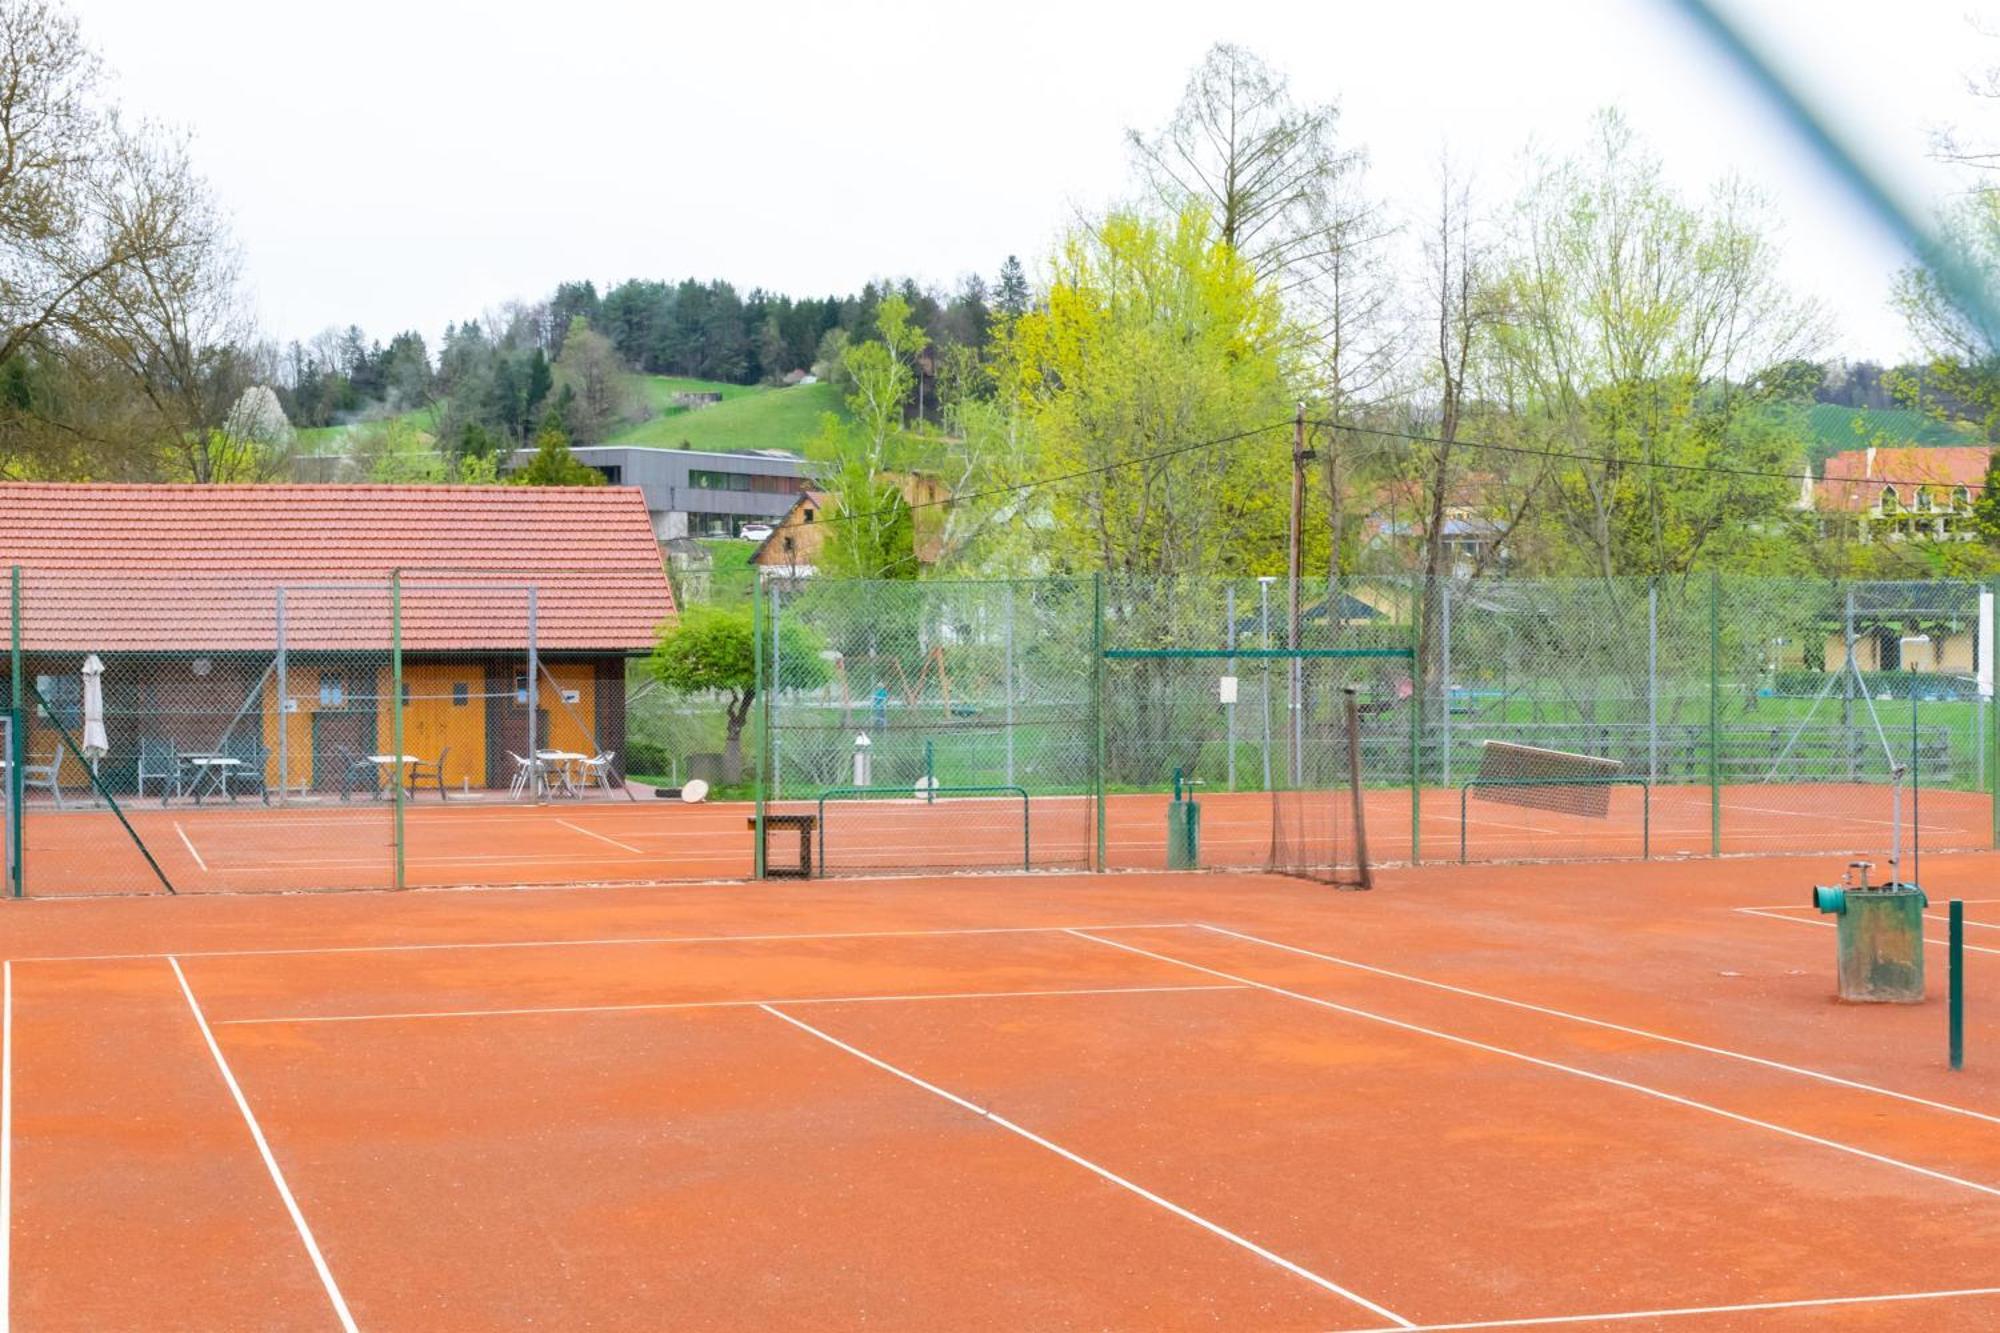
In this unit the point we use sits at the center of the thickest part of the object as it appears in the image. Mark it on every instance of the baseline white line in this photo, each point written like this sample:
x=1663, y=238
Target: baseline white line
x=188, y=843
x=621, y=846
x=1606, y=1079
x=1686, y=1311
x=1830, y=925
x=264, y=1149
x=1609, y=1026
x=1830, y=817
x=607, y=940
x=6, y=1141
x=995, y=1118
x=645, y=1007
x=1946, y=918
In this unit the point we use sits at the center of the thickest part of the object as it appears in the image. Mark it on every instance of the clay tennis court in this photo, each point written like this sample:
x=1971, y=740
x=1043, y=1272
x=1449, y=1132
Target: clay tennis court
x=1574, y=1096
x=250, y=847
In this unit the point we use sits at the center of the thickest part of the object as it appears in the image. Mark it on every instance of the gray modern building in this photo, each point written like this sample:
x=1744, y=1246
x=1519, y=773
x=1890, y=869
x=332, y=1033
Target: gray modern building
x=694, y=494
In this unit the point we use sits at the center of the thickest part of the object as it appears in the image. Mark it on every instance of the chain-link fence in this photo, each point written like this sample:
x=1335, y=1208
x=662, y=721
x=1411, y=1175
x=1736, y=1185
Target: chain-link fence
x=313, y=736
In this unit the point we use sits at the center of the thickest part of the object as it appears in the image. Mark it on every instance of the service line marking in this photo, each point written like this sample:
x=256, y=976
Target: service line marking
x=1830, y=925
x=995, y=1118
x=1608, y=1080
x=942, y=932
x=1609, y=1026
x=264, y=1150
x=1688, y=1311
x=652, y=1006
x=188, y=843
x=621, y=846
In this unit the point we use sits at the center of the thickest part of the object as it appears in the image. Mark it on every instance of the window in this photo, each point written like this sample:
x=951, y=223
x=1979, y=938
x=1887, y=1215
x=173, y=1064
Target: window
x=332, y=691
x=1889, y=503
x=1923, y=499
x=700, y=479
x=614, y=474
x=777, y=485
x=461, y=694
x=809, y=515
x=711, y=525
x=1961, y=498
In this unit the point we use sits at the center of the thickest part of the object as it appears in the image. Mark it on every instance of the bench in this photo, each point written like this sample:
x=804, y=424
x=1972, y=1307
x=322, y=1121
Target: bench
x=803, y=825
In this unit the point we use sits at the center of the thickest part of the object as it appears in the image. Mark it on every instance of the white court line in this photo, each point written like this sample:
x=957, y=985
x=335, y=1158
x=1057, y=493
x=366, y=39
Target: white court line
x=1832, y=816
x=647, y=1007
x=621, y=846
x=188, y=843
x=1612, y=1027
x=6, y=1140
x=995, y=1118
x=608, y=940
x=1686, y=1311
x=1945, y=917
x=264, y=1148
x=1831, y=925
x=1595, y=1077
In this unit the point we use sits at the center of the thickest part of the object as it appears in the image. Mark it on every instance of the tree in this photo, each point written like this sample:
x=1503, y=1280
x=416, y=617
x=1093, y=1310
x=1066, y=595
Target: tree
x=1634, y=321
x=1150, y=378
x=554, y=465
x=1011, y=294
x=590, y=371
x=873, y=533
x=1265, y=168
x=713, y=650
x=1986, y=505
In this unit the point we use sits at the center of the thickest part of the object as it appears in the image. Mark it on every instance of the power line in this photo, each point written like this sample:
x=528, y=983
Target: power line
x=1610, y=460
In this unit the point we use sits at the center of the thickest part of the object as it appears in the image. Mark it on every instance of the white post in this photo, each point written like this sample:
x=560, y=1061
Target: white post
x=1229, y=609
x=771, y=707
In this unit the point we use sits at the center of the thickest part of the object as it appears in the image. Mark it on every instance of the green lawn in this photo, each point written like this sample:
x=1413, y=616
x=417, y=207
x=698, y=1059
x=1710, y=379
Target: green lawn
x=325, y=439
x=748, y=417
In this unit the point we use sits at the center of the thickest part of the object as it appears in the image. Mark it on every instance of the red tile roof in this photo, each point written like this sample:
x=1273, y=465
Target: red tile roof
x=1855, y=479
x=197, y=568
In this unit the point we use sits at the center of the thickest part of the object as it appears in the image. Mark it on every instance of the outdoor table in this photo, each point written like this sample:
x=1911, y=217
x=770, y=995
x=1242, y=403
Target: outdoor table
x=400, y=762
x=214, y=771
x=564, y=762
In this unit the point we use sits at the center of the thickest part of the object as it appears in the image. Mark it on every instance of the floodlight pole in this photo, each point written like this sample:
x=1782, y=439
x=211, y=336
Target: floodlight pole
x=1293, y=573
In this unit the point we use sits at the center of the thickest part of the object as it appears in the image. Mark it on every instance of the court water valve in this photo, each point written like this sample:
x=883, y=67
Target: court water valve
x=863, y=761
x=1880, y=929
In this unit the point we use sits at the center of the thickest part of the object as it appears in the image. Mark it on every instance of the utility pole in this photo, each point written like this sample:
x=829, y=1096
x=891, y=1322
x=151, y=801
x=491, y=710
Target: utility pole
x=1295, y=676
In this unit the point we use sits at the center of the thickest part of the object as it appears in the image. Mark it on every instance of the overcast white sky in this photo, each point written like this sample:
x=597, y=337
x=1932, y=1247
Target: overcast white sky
x=402, y=163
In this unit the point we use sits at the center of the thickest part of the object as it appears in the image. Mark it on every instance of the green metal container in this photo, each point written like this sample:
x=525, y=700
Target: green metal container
x=1881, y=943
x=1183, y=835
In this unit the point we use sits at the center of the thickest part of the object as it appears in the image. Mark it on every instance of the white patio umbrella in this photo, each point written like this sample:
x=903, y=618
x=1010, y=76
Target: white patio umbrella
x=95, y=743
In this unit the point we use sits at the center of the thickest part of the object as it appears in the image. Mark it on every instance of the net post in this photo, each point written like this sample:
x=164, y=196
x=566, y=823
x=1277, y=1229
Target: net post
x=1416, y=759
x=396, y=770
x=1955, y=984
x=1097, y=704
x=284, y=719
x=1463, y=792
x=17, y=738
x=1646, y=822
x=764, y=735
x=1714, y=713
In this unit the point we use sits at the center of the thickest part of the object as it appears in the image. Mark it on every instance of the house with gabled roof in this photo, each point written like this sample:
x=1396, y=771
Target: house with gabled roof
x=257, y=623
x=1904, y=493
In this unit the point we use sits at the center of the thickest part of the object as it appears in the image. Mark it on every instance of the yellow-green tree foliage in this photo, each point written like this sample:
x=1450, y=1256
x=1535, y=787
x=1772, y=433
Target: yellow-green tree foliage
x=1154, y=337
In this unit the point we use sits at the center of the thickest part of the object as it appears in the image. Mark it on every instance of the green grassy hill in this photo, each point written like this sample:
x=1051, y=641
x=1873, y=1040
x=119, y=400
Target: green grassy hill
x=1831, y=429
x=748, y=417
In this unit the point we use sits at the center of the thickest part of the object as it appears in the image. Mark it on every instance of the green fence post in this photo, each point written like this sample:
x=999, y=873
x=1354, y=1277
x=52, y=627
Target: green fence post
x=1097, y=703
x=396, y=770
x=1993, y=723
x=1714, y=713
x=760, y=761
x=18, y=736
x=1955, y=984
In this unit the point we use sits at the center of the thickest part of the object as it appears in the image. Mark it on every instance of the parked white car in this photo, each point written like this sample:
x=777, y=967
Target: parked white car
x=754, y=532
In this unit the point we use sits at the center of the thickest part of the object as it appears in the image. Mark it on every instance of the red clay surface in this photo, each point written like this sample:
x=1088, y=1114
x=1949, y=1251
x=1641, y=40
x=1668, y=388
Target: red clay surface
x=1577, y=1096
x=248, y=847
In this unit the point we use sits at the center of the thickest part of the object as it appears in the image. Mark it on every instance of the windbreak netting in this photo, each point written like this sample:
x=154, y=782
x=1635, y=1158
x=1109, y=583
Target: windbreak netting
x=934, y=725
x=1320, y=810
